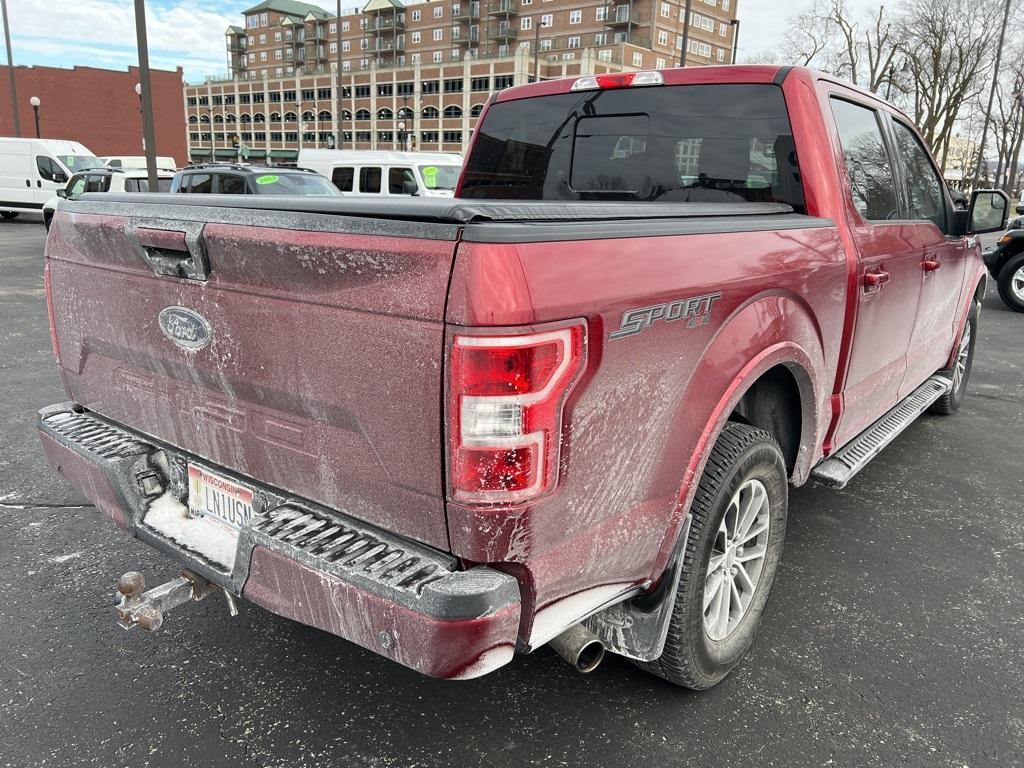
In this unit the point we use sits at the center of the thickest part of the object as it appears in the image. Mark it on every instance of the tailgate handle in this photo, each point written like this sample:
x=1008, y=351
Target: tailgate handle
x=173, y=252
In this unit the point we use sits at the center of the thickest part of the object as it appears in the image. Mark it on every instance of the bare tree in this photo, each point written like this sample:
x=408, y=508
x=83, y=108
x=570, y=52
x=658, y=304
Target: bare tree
x=809, y=36
x=945, y=48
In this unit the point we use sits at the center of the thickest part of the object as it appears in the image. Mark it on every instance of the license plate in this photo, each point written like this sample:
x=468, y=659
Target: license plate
x=216, y=498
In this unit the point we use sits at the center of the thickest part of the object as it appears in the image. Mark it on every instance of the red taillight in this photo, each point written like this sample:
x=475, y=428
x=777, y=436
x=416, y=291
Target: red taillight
x=49, y=311
x=615, y=80
x=505, y=410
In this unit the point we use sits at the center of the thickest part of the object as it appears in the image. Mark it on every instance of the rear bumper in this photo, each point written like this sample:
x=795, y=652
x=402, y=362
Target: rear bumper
x=396, y=597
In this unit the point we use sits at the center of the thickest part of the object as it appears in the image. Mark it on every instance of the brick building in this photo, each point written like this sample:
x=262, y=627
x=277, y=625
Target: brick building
x=416, y=76
x=97, y=107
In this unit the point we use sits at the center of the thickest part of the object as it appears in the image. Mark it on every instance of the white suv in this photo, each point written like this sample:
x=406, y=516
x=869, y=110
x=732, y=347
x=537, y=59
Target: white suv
x=105, y=180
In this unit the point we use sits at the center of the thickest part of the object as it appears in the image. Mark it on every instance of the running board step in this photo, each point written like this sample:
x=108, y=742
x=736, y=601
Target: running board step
x=839, y=468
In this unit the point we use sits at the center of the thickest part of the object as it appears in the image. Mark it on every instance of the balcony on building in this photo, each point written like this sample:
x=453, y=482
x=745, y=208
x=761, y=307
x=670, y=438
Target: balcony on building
x=469, y=37
x=503, y=8
x=385, y=44
x=505, y=32
x=468, y=12
x=622, y=16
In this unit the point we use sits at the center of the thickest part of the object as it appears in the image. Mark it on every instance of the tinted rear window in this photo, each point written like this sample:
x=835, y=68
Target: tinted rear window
x=695, y=143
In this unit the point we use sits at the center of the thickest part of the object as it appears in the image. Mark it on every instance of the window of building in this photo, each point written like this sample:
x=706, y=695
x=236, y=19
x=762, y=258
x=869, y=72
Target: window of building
x=362, y=91
x=438, y=57
x=545, y=44
x=415, y=58
x=279, y=55
x=263, y=39
x=475, y=110
x=333, y=47
x=191, y=101
x=438, y=11
x=638, y=59
x=263, y=20
x=600, y=38
x=384, y=113
x=362, y=114
x=666, y=10
x=332, y=27
x=385, y=137
x=451, y=137
x=430, y=113
x=204, y=101
x=604, y=55
x=345, y=26
x=251, y=22
x=452, y=111
x=385, y=89
x=275, y=135
x=453, y=86
x=546, y=19
x=601, y=14
x=480, y=84
x=573, y=42
x=263, y=55
x=723, y=29
x=429, y=137
x=575, y=17
x=526, y=22
x=244, y=98
x=363, y=136
x=720, y=54
x=258, y=97
x=662, y=37
x=438, y=34
x=416, y=15
x=503, y=81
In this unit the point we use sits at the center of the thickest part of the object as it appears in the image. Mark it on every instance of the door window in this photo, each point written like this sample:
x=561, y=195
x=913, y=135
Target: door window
x=397, y=178
x=868, y=164
x=198, y=183
x=342, y=178
x=97, y=183
x=77, y=186
x=232, y=185
x=925, y=198
x=369, y=180
x=48, y=169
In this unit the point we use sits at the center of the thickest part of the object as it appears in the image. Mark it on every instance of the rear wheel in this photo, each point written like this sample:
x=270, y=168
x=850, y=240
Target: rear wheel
x=729, y=559
x=961, y=370
x=9, y=214
x=1011, y=283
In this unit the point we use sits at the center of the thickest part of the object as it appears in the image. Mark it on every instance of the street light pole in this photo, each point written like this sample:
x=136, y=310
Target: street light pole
x=735, y=38
x=138, y=92
x=686, y=34
x=147, y=92
x=10, y=71
x=35, y=102
x=992, y=93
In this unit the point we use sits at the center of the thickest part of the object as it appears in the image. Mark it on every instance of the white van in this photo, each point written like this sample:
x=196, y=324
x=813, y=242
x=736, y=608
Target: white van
x=376, y=174
x=32, y=170
x=139, y=161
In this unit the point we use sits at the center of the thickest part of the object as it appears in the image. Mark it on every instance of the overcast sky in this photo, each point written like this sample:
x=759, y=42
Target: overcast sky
x=101, y=33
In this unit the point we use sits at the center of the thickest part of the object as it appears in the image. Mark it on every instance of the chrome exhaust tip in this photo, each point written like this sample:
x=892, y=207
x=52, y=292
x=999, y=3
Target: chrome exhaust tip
x=580, y=647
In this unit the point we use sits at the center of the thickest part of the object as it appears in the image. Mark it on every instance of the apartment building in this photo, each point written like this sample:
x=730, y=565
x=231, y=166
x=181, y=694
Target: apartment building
x=393, y=75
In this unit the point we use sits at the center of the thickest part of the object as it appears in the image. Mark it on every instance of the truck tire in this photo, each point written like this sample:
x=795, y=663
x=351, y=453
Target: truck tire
x=9, y=214
x=961, y=370
x=1011, y=283
x=725, y=578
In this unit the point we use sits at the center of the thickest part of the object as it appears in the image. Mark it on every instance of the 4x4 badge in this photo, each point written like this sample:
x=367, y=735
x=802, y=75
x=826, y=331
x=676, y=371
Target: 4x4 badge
x=696, y=310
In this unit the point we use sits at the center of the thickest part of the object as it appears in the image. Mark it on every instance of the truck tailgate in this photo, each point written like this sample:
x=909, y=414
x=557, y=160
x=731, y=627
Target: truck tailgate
x=319, y=367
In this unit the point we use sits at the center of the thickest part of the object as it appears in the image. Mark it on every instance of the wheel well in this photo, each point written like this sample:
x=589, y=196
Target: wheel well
x=773, y=404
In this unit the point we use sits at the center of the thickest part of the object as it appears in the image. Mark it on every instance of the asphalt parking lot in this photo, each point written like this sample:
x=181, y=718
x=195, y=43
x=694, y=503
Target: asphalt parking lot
x=894, y=636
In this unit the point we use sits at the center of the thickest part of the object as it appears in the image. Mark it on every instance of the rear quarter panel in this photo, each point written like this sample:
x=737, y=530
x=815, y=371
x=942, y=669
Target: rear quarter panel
x=649, y=403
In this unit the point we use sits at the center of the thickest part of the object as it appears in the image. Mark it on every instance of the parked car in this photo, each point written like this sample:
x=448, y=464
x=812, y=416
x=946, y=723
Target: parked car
x=453, y=430
x=237, y=179
x=1006, y=264
x=386, y=174
x=32, y=170
x=104, y=180
x=163, y=163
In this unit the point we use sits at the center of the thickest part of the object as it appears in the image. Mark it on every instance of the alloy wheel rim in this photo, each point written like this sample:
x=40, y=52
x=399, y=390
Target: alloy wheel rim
x=1017, y=283
x=960, y=369
x=737, y=560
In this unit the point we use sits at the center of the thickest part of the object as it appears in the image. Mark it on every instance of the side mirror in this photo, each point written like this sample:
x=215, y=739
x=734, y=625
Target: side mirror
x=59, y=177
x=62, y=193
x=1020, y=209
x=410, y=188
x=988, y=211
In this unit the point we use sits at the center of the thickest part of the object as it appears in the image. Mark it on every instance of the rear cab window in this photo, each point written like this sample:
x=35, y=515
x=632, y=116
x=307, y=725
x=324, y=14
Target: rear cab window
x=683, y=143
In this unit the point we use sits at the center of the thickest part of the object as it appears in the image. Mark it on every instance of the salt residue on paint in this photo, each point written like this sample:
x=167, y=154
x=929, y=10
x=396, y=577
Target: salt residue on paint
x=169, y=517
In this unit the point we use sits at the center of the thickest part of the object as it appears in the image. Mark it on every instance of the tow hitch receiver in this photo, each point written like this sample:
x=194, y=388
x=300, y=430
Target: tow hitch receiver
x=147, y=608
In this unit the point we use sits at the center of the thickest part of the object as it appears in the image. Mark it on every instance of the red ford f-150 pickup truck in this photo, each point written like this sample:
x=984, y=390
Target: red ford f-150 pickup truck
x=564, y=407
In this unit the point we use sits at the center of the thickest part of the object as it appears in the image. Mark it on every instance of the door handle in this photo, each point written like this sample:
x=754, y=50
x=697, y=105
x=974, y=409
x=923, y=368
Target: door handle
x=875, y=280
x=173, y=252
x=28, y=182
x=930, y=265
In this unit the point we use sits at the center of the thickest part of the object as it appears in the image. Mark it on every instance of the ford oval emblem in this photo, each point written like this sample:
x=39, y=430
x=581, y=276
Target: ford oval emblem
x=188, y=329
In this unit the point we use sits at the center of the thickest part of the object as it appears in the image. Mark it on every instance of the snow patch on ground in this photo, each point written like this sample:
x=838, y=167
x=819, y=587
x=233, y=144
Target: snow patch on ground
x=169, y=517
x=65, y=558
